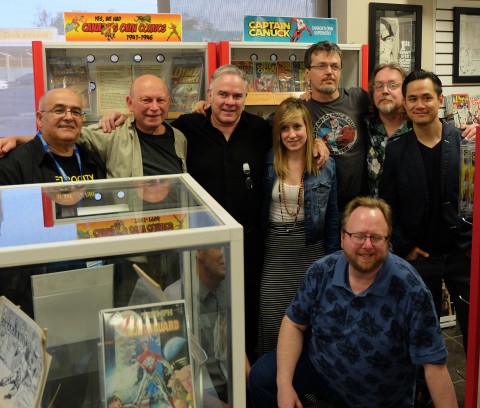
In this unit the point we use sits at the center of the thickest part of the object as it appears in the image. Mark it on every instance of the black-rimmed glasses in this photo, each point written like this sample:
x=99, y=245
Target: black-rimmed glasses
x=359, y=238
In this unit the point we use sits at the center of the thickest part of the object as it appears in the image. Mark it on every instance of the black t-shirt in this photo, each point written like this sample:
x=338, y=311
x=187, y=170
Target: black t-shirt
x=436, y=238
x=155, y=146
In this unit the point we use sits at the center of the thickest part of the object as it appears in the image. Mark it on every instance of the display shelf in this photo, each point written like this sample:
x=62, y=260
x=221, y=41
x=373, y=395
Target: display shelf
x=115, y=63
x=354, y=72
x=157, y=222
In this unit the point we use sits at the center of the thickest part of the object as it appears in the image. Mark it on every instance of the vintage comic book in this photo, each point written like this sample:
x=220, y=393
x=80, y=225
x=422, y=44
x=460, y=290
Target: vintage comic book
x=146, y=356
x=299, y=75
x=266, y=78
x=457, y=109
x=71, y=73
x=24, y=362
x=286, y=81
x=247, y=67
x=475, y=108
x=187, y=77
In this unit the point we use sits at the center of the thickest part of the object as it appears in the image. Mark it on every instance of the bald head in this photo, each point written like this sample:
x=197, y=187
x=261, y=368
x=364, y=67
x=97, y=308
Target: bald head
x=149, y=101
x=52, y=96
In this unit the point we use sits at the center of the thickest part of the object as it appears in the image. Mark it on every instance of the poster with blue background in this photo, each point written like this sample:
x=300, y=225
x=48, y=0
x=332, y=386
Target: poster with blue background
x=289, y=29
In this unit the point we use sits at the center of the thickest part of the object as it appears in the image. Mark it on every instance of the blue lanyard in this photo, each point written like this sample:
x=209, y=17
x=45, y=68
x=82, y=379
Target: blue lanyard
x=59, y=168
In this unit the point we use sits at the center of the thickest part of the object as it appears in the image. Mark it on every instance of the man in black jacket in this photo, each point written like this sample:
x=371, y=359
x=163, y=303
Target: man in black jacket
x=421, y=182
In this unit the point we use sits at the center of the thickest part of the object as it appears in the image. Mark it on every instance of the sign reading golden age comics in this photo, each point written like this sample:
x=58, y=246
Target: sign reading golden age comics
x=127, y=27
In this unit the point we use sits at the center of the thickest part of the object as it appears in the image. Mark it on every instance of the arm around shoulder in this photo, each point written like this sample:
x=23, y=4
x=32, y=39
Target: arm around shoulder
x=8, y=143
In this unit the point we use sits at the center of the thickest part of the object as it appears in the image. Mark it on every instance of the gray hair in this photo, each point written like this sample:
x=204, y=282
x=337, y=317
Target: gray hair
x=228, y=69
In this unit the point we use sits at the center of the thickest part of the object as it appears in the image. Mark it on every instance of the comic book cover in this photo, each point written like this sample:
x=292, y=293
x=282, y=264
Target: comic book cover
x=465, y=178
x=24, y=362
x=299, y=75
x=71, y=73
x=286, y=81
x=247, y=67
x=146, y=356
x=457, y=109
x=266, y=78
x=187, y=75
x=475, y=108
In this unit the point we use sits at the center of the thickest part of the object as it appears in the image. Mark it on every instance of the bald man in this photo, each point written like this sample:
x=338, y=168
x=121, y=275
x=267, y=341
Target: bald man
x=144, y=145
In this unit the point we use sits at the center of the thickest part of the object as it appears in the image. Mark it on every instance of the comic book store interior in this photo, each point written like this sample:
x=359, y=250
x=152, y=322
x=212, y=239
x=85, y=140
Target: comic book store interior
x=239, y=204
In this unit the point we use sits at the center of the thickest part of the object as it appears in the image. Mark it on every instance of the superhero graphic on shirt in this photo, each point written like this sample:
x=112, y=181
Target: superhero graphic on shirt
x=338, y=130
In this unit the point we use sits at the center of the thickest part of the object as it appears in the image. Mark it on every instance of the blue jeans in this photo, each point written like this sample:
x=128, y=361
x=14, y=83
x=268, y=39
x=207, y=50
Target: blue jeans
x=263, y=380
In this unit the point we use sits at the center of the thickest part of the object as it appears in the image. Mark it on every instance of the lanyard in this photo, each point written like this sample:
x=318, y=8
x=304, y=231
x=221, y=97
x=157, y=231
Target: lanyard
x=46, y=148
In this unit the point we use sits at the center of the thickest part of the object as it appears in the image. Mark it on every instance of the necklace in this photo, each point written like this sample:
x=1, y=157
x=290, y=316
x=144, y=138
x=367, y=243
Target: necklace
x=283, y=201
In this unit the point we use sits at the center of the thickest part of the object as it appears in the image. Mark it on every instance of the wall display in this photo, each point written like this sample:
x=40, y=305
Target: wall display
x=466, y=65
x=395, y=35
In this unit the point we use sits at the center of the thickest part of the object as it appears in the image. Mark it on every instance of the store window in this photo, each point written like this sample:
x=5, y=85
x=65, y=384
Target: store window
x=21, y=22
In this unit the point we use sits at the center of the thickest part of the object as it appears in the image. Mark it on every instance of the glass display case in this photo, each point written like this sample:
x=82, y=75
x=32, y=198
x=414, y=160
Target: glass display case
x=69, y=250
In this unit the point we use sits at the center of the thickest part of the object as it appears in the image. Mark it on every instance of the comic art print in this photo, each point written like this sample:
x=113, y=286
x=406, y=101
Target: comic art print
x=338, y=130
x=146, y=356
x=23, y=360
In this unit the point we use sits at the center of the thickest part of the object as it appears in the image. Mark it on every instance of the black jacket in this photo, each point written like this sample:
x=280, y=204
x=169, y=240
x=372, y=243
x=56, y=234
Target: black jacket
x=404, y=186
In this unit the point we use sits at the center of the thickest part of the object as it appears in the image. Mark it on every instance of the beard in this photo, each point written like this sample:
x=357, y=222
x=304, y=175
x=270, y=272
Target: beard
x=386, y=106
x=327, y=89
x=365, y=269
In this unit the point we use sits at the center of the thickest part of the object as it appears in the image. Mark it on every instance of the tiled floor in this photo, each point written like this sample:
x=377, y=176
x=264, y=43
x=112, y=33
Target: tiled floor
x=456, y=361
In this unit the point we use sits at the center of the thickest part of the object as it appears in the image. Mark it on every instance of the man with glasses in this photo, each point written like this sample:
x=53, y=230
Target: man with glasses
x=53, y=154
x=339, y=118
x=367, y=320
x=421, y=182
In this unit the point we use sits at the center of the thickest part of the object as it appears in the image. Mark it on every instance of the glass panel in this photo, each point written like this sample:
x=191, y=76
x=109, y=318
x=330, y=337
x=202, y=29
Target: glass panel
x=69, y=211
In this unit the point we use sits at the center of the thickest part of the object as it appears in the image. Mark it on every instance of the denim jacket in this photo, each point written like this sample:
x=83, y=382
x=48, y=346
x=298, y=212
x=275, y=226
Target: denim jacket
x=319, y=200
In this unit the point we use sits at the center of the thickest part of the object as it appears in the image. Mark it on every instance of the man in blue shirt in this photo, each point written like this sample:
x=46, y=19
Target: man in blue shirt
x=367, y=320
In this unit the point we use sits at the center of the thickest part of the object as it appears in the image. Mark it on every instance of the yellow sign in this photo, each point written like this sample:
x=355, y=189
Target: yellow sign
x=116, y=27
x=99, y=229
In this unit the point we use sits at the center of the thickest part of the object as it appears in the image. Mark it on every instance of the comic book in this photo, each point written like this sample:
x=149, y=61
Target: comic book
x=247, y=67
x=475, y=108
x=71, y=73
x=145, y=355
x=186, y=88
x=24, y=362
x=286, y=81
x=467, y=168
x=457, y=109
x=299, y=75
x=266, y=78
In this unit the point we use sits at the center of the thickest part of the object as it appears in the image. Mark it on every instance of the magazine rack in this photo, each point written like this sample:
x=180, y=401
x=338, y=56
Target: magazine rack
x=162, y=237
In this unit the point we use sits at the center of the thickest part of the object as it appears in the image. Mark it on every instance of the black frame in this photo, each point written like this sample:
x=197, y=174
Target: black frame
x=410, y=60
x=459, y=76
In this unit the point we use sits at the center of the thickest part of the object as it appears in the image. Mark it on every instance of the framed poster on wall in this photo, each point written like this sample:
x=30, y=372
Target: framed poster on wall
x=466, y=31
x=395, y=35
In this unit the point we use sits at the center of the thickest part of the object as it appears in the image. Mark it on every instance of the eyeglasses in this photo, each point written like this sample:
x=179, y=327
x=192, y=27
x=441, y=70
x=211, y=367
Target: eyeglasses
x=359, y=238
x=323, y=67
x=248, y=180
x=76, y=113
x=379, y=86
